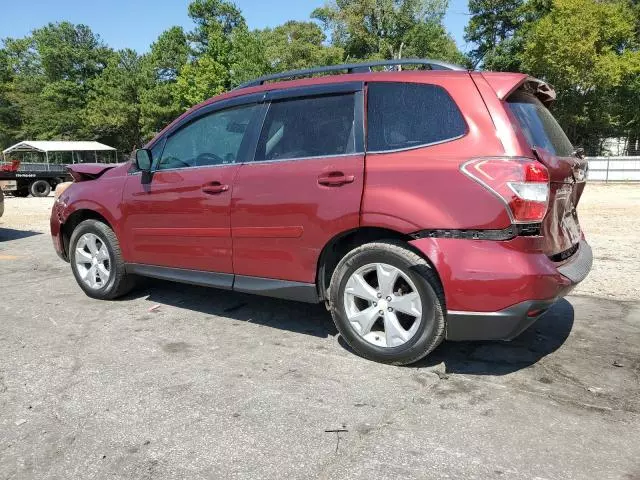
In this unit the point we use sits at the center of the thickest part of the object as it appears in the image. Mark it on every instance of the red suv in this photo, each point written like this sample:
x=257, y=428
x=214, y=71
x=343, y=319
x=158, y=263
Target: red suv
x=418, y=205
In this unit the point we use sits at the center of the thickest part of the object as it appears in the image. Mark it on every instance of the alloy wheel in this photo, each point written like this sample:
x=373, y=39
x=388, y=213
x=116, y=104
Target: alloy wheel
x=93, y=261
x=382, y=305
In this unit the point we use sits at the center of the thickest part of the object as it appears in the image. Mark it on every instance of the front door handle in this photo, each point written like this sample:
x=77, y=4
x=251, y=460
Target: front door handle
x=213, y=188
x=335, y=179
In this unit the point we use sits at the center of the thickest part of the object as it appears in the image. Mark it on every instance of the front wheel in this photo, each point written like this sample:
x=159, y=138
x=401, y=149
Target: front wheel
x=96, y=261
x=387, y=303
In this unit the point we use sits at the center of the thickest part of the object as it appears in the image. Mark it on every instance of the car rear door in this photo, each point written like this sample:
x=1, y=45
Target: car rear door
x=304, y=185
x=181, y=218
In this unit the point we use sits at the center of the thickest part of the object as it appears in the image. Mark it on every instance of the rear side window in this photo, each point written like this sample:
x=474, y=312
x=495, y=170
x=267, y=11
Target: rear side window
x=408, y=115
x=308, y=127
x=538, y=125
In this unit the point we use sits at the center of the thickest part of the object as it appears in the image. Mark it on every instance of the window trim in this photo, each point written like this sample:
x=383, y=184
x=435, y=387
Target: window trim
x=292, y=94
x=415, y=147
x=421, y=145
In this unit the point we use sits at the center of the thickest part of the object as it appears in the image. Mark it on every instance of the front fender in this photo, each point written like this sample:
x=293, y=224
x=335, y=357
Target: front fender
x=102, y=197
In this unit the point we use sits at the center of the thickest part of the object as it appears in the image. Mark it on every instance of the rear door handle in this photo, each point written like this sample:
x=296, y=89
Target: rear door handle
x=213, y=188
x=335, y=179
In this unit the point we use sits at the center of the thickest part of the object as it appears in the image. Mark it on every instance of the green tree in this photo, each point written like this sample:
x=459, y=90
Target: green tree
x=169, y=53
x=248, y=58
x=378, y=28
x=588, y=50
x=297, y=45
x=209, y=70
x=52, y=73
x=431, y=40
x=201, y=79
x=160, y=103
x=9, y=112
x=213, y=19
x=113, y=112
x=498, y=29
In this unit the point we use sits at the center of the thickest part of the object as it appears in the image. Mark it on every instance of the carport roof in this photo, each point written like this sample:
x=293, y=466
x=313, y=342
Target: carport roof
x=56, y=146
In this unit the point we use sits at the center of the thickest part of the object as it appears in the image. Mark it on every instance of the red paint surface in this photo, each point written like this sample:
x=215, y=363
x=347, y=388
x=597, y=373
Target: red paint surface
x=172, y=222
x=487, y=276
x=284, y=197
x=275, y=218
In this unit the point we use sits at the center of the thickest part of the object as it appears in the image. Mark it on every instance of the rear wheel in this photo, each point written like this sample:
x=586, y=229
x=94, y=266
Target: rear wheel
x=40, y=188
x=387, y=303
x=96, y=261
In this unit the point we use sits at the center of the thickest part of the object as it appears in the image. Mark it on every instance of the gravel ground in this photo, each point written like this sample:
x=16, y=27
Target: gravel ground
x=176, y=381
x=608, y=214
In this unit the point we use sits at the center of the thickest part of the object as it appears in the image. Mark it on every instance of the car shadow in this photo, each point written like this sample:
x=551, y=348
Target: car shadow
x=297, y=317
x=500, y=358
x=7, y=234
x=472, y=358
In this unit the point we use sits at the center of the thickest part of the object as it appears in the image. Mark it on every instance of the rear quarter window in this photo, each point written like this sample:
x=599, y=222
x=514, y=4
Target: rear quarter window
x=410, y=115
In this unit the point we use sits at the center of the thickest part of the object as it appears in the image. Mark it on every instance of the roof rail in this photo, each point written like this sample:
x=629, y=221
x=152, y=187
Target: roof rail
x=364, y=67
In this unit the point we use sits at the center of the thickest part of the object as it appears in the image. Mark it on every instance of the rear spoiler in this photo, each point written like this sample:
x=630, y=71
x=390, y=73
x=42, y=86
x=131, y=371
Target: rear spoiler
x=88, y=171
x=504, y=84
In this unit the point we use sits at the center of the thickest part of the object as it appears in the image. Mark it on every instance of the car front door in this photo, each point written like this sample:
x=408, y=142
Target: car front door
x=303, y=187
x=181, y=219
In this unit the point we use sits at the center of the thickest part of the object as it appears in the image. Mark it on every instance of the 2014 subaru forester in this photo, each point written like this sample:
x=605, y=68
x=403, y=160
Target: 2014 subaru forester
x=418, y=204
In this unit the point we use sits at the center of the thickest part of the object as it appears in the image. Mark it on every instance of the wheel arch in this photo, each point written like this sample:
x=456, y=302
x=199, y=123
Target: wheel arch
x=74, y=219
x=344, y=242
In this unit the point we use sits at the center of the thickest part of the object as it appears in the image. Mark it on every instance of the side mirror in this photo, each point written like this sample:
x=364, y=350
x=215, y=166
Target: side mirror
x=143, y=162
x=143, y=159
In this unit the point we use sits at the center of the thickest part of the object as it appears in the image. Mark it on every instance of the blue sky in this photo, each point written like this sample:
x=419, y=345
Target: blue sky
x=137, y=23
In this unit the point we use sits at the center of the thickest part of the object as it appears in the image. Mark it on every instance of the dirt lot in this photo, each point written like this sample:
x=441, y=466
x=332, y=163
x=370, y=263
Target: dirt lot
x=211, y=384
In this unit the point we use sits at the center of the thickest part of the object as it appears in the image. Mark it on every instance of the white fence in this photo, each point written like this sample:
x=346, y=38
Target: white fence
x=614, y=169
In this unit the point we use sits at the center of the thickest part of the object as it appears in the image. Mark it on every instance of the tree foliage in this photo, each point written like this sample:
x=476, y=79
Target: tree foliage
x=387, y=28
x=63, y=82
x=587, y=49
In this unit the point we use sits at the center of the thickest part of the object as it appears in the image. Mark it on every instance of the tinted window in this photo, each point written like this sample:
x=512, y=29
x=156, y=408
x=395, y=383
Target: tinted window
x=308, y=127
x=211, y=140
x=538, y=125
x=405, y=115
x=157, y=150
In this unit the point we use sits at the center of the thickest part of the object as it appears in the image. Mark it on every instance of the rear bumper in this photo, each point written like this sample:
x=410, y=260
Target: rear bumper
x=503, y=325
x=494, y=290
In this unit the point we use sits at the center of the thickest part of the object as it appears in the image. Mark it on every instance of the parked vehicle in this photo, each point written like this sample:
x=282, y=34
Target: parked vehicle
x=418, y=205
x=37, y=167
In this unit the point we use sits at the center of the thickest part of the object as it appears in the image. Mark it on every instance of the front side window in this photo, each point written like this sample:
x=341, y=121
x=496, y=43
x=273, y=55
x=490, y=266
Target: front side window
x=409, y=115
x=308, y=127
x=538, y=125
x=157, y=150
x=214, y=139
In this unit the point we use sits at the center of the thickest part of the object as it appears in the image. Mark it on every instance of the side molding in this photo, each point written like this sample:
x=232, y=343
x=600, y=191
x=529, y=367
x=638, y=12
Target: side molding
x=194, y=277
x=301, y=292
x=270, y=287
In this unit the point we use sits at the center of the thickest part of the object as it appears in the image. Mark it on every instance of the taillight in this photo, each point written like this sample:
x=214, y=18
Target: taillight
x=521, y=183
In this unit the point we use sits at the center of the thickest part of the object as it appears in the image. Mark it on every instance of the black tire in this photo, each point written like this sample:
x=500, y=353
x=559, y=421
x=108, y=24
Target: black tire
x=22, y=193
x=119, y=283
x=430, y=332
x=40, y=188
